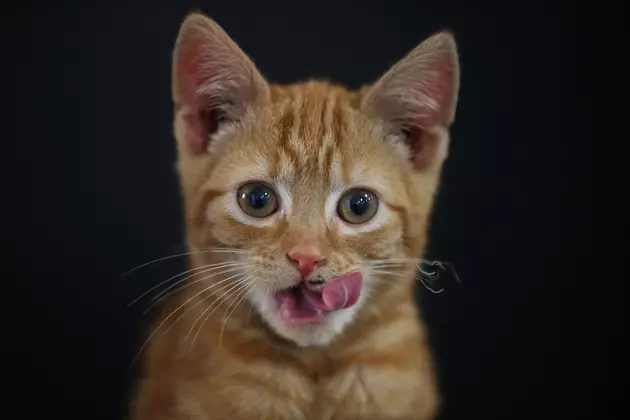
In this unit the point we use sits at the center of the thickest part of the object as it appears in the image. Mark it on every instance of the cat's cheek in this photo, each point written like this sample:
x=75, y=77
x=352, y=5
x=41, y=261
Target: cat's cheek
x=387, y=242
x=228, y=231
x=221, y=226
x=224, y=237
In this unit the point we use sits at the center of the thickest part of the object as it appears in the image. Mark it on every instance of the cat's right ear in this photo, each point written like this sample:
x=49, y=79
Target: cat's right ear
x=214, y=82
x=417, y=98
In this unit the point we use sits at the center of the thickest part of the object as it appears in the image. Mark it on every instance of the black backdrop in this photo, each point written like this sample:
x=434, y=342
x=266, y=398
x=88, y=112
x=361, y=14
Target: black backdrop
x=93, y=191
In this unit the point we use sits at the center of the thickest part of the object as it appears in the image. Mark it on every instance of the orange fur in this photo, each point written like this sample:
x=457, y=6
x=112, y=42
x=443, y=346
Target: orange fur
x=239, y=362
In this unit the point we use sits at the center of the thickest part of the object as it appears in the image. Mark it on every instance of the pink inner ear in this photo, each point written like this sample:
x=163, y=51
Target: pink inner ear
x=191, y=73
x=424, y=145
x=436, y=87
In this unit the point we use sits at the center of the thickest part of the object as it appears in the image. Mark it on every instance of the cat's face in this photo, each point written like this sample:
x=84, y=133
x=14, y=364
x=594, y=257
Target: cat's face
x=313, y=185
x=314, y=191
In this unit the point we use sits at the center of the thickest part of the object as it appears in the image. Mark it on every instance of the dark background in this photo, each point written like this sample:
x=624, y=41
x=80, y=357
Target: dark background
x=92, y=190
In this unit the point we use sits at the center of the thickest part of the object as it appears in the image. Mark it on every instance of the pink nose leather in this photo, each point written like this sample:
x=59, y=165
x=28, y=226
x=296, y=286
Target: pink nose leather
x=307, y=258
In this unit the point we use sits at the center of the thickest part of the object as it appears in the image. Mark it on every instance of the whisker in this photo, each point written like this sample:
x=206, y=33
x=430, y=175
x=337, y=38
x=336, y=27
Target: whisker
x=230, y=286
x=201, y=270
x=422, y=280
x=161, y=296
x=240, y=291
x=237, y=301
x=388, y=266
x=240, y=284
x=204, y=251
x=207, y=297
x=426, y=272
x=429, y=288
x=228, y=265
x=384, y=272
x=222, y=301
x=401, y=260
x=164, y=321
x=443, y=265
x=397, y=261
x=425, y=276
x=391, y=264
x=245, y=294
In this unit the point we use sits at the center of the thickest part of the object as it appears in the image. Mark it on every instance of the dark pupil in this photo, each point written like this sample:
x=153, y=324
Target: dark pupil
x=259, y=198
x=359, y=204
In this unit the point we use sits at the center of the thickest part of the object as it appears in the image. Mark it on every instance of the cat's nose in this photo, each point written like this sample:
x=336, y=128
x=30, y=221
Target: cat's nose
x=307, y=258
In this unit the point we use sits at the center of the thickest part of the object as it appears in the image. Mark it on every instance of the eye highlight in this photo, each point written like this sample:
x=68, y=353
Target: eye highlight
x=257, y=199
x=357, y=206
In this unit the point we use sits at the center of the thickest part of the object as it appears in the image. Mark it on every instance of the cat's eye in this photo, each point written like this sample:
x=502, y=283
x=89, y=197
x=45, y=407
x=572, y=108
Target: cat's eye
x=257, y=199
x=357, y=206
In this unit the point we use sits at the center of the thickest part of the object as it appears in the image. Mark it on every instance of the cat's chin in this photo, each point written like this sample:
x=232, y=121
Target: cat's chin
x=303, y=327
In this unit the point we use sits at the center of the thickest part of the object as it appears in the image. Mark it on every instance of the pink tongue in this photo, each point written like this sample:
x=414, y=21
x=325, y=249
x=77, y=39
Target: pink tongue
x=305, y=306
x=343, y=291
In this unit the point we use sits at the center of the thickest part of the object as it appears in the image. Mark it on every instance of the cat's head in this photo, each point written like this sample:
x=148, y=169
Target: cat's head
x=324, y=194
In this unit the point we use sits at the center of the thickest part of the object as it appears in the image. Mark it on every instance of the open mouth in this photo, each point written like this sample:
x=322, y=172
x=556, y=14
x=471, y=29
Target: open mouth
x=299, y=304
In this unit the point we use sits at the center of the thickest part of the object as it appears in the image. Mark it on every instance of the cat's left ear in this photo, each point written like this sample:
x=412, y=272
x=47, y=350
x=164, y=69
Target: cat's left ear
x=214, y=82
x=417, y=98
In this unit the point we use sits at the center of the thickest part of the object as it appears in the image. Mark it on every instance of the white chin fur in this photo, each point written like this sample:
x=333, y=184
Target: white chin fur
x=304, y=335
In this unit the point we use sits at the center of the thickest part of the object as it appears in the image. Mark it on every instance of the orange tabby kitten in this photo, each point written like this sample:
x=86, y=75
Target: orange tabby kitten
x=306, y=216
